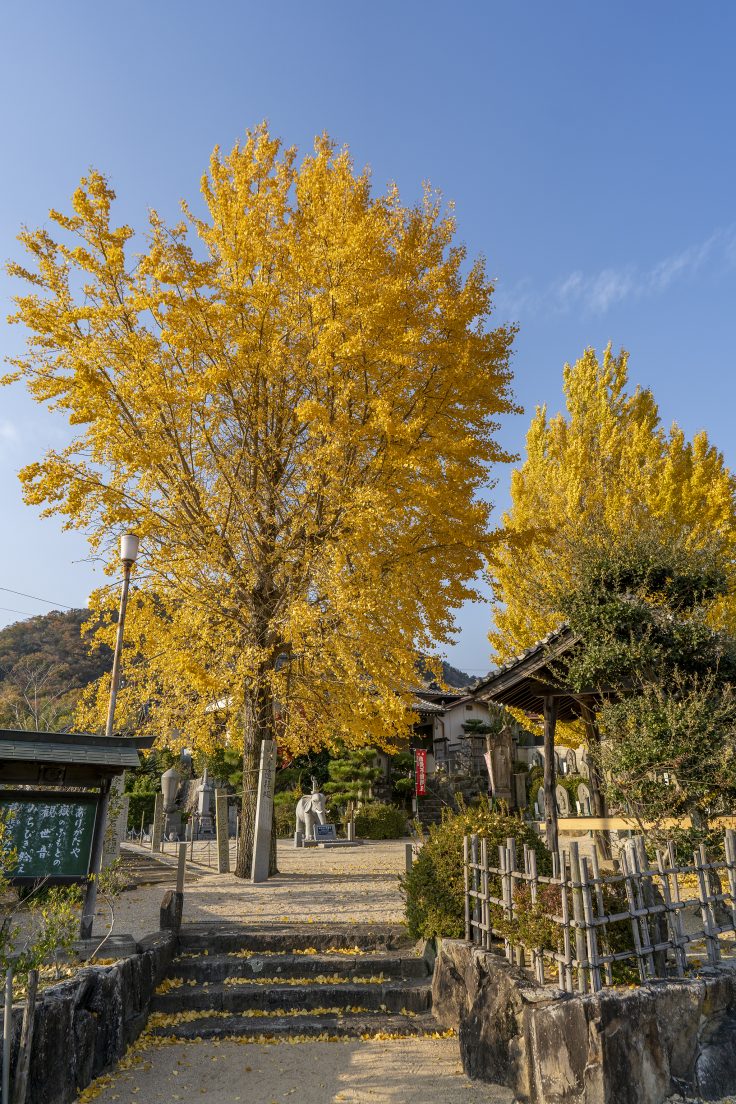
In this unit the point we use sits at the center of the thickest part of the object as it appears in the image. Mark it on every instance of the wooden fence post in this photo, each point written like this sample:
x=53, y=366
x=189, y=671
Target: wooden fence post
x=578, y=916
x=674, y=920
x=590, y=930
x=23, y=1064
x=730, y=846
x=601, y=909
x=561, y=864
x=475, y=881
x=485, y=903
x=706, y=906
x=466, y=879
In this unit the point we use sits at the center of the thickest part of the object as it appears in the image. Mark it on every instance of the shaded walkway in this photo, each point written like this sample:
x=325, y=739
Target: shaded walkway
x=395, y=1071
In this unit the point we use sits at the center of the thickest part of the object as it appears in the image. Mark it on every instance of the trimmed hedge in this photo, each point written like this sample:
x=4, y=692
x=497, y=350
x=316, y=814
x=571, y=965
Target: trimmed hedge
x=434, y=890
x=378, y=822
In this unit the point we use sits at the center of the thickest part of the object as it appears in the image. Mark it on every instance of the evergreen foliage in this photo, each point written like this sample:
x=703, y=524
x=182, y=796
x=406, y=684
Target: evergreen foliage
x=351, y=776
x=644, y=613
x=434, y=888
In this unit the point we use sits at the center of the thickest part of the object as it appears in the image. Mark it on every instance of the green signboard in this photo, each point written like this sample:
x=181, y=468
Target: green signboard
x=51, y=832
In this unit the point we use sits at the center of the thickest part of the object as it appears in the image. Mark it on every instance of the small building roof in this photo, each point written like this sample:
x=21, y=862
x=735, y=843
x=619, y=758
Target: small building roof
x=525, y=681
x=82, y=756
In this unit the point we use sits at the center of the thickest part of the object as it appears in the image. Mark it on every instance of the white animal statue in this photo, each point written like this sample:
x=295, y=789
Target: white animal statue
x=309, y=808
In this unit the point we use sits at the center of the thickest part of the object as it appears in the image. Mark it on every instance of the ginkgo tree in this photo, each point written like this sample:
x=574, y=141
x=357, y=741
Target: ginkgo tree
x=606, y=470
x=291, y=395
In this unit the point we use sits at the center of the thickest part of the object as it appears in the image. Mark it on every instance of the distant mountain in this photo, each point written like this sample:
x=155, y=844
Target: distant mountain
x=54, y=638
x=454, y=677
x=44, y=666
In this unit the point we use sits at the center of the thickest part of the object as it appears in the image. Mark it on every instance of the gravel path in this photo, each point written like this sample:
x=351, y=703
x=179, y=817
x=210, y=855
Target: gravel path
x=356, y=883
x=397, y=1071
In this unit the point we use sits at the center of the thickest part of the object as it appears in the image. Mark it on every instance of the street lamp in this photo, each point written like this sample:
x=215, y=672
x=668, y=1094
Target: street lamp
x=128, y=554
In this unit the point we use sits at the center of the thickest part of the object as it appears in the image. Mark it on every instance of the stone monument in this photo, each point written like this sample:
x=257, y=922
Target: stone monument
x=584, y=799
x=500, y=748
x=563, y=801
x=172, y=815
x=205, y=818
x=309, y=808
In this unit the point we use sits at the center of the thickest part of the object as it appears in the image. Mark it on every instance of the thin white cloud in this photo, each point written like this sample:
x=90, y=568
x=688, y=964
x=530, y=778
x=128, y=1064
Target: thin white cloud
x=597, y=292
x=8, y=433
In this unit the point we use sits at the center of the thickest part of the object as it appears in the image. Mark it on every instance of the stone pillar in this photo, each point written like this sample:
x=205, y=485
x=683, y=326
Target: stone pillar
x=158, y=823
x=223, y=832
x=264, y=812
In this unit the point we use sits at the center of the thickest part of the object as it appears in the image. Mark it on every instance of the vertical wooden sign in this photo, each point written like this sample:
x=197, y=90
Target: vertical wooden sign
x=223, y=834
x=264, y=812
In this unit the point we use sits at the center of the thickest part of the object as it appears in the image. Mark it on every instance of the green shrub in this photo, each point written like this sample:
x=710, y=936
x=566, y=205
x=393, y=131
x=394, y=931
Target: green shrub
x=140, y=805
x=284, y=812
x=377, y=822
x=434, y=890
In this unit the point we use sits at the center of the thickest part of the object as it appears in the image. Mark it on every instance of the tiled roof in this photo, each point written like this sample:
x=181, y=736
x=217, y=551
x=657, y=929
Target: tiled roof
x=69, y=747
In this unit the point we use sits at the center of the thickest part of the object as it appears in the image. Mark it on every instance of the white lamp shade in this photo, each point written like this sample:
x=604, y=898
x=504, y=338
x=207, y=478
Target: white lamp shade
x=129, y=547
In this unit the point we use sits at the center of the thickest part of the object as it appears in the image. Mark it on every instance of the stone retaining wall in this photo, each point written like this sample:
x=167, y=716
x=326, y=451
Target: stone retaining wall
x=619, y=1046
x=84, y=1025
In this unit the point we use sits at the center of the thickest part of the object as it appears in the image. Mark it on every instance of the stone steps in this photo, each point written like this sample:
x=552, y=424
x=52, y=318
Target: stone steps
x=331, y=1025
x=216, y=939
x=246, y=981
x=214, y=968
x=413, y=995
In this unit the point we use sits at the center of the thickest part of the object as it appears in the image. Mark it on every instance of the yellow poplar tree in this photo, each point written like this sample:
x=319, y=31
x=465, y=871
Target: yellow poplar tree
x=291, y=396
x=607, y=469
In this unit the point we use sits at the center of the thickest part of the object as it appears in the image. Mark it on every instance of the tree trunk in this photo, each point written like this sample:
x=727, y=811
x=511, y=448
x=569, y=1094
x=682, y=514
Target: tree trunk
x=258, y=725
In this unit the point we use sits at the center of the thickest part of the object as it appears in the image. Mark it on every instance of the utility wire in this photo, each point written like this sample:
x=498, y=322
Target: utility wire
x=23, y=613
x=22, y=594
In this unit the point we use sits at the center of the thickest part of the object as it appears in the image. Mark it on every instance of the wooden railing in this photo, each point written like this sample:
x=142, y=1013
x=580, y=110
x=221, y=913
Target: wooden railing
x=578, y=927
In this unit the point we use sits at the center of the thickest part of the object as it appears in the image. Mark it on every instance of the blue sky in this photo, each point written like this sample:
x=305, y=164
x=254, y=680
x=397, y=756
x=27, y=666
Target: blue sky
x=589, y=148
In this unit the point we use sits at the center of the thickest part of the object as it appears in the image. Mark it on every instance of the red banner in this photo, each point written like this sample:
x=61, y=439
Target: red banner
x=420, y=763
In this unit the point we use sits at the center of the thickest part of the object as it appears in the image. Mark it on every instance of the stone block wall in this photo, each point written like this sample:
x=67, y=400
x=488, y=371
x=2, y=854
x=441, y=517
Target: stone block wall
x=84, y=1025
x=620, y=1046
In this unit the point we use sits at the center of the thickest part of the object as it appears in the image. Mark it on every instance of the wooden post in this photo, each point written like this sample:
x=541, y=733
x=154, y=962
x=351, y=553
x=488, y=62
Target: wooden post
x=706, y=906
x=23, y=1064
x=181, y=867
x=550, y=804
x=7, y=1033
x=408, y=856
x=561, y=865
x=466, y=881
x=95, y=862
x=731, y=871
x=475, y=882
x=530, y=864
x=485, y=907
x=579, y=917
x=600, y=906
x=590, y=929
x=673, y=915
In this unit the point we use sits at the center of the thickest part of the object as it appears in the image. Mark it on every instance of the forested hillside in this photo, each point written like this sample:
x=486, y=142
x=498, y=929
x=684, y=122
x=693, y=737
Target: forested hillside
x=44, y=665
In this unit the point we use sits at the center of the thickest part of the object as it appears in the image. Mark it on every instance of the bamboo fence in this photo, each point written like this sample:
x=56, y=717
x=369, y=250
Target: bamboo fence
x=591, y=924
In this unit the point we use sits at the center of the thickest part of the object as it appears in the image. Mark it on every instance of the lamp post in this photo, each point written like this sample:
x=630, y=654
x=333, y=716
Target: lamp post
x=128, y=554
